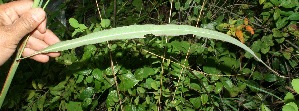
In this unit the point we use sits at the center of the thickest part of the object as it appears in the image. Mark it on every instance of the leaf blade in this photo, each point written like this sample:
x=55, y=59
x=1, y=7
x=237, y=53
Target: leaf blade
x=138, y=31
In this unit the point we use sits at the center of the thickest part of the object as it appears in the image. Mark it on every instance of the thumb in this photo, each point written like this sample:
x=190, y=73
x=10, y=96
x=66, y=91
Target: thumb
x=27, y=23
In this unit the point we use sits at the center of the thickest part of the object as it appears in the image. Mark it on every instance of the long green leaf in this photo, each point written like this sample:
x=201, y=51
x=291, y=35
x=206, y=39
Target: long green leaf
x=15, y=64
x=11, y=73
x=138, y=31
x=259, y=89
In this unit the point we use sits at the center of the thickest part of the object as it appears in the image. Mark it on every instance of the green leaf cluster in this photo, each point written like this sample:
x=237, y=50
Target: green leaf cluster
x=165, y=73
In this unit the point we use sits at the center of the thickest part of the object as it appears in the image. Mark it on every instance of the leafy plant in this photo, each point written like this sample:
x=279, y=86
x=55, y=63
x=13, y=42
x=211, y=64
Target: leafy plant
x=161, y=72
x=290, y=102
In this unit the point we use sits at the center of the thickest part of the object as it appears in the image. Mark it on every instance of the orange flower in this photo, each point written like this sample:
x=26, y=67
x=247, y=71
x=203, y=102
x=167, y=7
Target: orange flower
x=250, y=29
x=246, y=21
x=239, y=34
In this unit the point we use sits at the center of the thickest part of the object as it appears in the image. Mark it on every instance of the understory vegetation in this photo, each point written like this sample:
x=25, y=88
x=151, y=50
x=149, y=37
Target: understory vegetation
x=165, y=73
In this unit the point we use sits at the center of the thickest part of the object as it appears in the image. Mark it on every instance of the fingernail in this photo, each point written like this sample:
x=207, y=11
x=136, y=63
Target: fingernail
x=38, y=15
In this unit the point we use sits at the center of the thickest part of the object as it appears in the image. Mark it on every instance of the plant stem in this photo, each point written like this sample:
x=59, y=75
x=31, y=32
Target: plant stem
x=35, y=3
x=12, y=72
x=15, y=64
x=46, y=4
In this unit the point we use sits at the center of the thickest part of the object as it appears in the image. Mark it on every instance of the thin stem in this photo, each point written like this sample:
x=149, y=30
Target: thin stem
x=99, y=9
x=40, y=3
x=12, y=72
x=169, y=19
x=16, y=63
x=115, y=79
x=114, y=13
x=35, y=3
x=46, y=4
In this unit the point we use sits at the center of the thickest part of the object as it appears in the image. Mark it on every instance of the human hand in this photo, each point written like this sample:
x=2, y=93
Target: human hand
x=17, y=19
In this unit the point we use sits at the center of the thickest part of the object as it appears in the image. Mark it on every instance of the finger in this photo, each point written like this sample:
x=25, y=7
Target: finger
x=49, y=37
x=53, y=54
x=10, y=12
x=26, y=24
x=42, y=27
x=39, y=57
x=36, y=44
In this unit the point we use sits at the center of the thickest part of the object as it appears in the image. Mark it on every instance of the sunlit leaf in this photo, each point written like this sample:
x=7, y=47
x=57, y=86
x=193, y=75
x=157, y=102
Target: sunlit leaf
x=89, y=51
x=289, y=3
x=144, y=73
x=290, y=107
x=105, y=22
x=267, y=5
x=287, y=55
x=130, y=108
x=204, y=99
x=33, y=83
x=154, y=85
x=277, y=33
x=218, y=87
x=127, y=81
x=294, y=16
x=89, y=79
x=56, y=98
x=276, y=2
x=295, y=84
x=280, y=23
x=74, y=23
x=195, y=86
x=41, y=102
x=112, y=98
x=261, y=1
x=86, y=102
x=74, y=106
x=31, y=94
x=289, y=97
x=140, y=90
x=86, y=93
x=97, y=74
x=276, y=14
x=59, y=87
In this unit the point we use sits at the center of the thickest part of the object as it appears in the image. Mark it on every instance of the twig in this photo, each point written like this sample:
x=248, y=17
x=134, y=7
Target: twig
x=115, y=79
x=295, y=46
x=98, y=9
x=170, y=11
x=114, y=13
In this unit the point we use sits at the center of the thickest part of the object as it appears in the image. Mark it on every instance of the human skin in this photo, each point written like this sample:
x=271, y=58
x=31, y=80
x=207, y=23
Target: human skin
x=17, y=19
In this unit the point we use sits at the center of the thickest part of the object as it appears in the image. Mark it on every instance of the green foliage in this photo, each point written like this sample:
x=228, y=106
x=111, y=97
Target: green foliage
x=164, y=73
x=291, y=103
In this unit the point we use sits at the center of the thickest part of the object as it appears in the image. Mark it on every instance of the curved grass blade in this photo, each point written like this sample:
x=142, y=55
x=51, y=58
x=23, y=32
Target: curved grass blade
x=259, y=89
x=138, y=31
x=15, y=64
x=12, y=71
